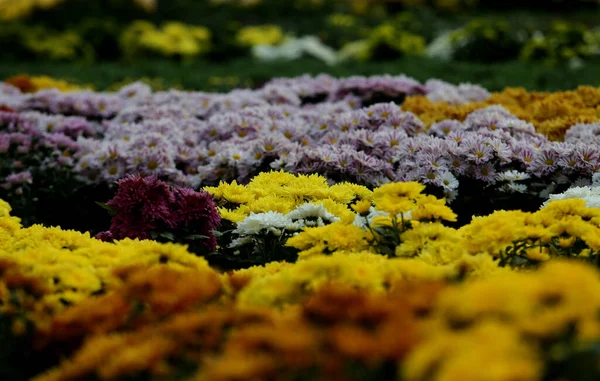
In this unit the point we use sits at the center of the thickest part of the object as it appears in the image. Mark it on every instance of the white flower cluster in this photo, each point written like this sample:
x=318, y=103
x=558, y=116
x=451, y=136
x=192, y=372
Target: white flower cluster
x=510, y=178
x=442, y=47
x=294, y=48
x=305, y=215
x=591, y=193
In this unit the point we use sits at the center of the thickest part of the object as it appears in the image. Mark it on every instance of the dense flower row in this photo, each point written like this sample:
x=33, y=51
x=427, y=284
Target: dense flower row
x=552, y=114
x=81, y=308
x=304, y=213
x=455, y=139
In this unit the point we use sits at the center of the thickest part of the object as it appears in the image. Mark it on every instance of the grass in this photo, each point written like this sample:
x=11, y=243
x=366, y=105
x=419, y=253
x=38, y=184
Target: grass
x=249, y=73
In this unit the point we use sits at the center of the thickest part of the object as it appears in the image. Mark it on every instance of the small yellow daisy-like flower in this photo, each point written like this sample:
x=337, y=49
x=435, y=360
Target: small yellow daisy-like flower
x=361, y=207
x=431, y=208
x=394, y=206
x=381, y=221
x=538, y=253
x=274, y=203
x=411, y=190
x=231, y=215
x=397, y=198
x=328, y=239
x=348, y=192
x=566, y=242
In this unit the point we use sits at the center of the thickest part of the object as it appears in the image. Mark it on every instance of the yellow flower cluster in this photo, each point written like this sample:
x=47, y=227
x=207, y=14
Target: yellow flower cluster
x=429, y=329
x=171, y=39
x=140, y=307
x=259, y=35
x=31, y=84
x=282, y=192
x=503, y=321
x=282, y=285
x=13, y=9
x=44, y=82
x=394, y=202
x=551, y=113
x=551, y=231
x=73, y=266
x=66, y=45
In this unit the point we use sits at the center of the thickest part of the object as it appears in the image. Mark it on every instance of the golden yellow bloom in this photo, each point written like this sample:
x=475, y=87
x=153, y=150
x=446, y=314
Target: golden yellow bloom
x=410, y=190
x=259, y=35
x=452, y=356
x=362, y=207
x=433, y=243
x=551, y=113
x=348, y=192
x=430, y=208
x=329, y=239
x=494, y=233
x=538, y=253
x=273, y=203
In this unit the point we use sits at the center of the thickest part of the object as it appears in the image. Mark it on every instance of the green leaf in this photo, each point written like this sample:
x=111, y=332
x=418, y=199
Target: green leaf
x=167, y=235
x=111, y=210
x=193, y=237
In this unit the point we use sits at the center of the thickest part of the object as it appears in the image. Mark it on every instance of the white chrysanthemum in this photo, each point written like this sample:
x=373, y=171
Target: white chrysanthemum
x=309, y=210
x=591, y=195
x=513, y=188
x=513, y=175
x=240, y=241
x=450, y=195
x=449, y=182
x=517, y=188
x=257, y=222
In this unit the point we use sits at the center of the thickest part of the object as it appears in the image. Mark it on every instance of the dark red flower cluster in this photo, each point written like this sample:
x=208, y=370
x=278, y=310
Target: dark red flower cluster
x=147, y=208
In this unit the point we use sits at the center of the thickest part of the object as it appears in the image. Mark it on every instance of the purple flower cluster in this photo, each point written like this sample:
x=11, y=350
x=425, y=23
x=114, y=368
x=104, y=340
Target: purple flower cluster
x=319, y=125
x=31, y=142
x=331, y=89
x=442, y=91
x=88, y=104
x=495, y=148
x=328, y=138
x=297, y=91
x=145, y=207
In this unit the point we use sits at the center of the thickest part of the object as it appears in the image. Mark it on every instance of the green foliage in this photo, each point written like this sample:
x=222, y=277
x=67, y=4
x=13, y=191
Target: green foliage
x=562, y=42
x=484, y=40
x=518, y=254
x=201, y=75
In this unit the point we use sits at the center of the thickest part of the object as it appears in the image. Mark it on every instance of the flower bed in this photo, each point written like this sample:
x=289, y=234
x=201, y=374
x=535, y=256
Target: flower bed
x=512, y=148
x=370, y=228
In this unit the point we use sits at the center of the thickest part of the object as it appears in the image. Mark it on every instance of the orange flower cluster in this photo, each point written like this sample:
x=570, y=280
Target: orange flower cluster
x=146, y=295
x=338, y=327
x=552, y=114
x=20, y=296
x=32, y=84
